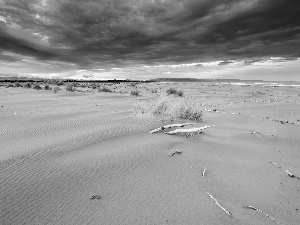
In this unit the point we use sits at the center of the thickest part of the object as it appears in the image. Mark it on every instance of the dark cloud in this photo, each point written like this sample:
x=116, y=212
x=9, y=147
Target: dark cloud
x=118, y=31
x=17, y=45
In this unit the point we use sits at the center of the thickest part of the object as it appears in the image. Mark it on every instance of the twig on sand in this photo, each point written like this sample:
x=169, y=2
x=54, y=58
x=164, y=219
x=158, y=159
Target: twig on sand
x=289, y=173
x=169, y=127
x=188, y=131
x=174, y=151
x=251, y=207
x=218, y=204
x=203, y=173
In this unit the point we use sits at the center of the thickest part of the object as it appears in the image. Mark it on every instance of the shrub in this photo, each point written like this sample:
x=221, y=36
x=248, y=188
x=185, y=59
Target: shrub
x=56, y=89
x=47, y=87
x=171, y=108
x=135, y=93
x=27, y=85
x=18, y=84
x=174, y=91
x=154, y=90
x=104, y=89
x=37, y=87
x=11, y=85
x=69, y=87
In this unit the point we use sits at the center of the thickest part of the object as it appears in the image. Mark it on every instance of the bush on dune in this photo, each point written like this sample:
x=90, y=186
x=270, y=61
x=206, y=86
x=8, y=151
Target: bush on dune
x=56, y=89
x=170, y=107
x=37, y=87
x=47, y=87
x=104, y=89
x=18, y=84
x=174, y=91
x=135, y=93
x=27, y=85
x=70, y=87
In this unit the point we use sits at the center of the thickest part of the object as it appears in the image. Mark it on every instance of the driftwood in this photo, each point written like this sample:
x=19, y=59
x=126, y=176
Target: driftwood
x=203, y=173
x=174, y=151
x=186, y=131
x=251, y=207
x=218, y=204
x=288, y=173
x=170, y=126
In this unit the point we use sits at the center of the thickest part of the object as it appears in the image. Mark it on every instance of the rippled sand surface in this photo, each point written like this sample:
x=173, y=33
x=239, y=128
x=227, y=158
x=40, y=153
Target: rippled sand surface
x=58, y=150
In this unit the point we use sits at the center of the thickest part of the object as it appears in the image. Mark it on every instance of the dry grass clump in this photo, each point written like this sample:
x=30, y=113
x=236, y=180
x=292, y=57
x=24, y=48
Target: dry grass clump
x=70, y=87
x=36, y=86
x=27, y=85
x=170, y=107
x=104, y=89
x=174, y=91
x=135, y=93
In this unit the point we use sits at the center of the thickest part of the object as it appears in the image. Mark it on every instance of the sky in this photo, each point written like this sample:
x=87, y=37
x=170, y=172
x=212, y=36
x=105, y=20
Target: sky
x=144, y=39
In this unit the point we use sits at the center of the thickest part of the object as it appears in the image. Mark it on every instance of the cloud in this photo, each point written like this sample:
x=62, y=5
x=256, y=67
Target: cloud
x=118, y=33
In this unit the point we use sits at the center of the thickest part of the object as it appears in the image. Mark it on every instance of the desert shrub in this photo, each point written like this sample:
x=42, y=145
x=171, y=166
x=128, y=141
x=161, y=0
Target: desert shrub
x=171, y=108
x=11, y=85
x=174, y=91
x=56, y=89
x=27, y=85
x=60, y=83
x=47, y=87
x=154, y=90
x=69, y=87
x=36, y=86
x=104, y=89
x=17, y=84
x=135, y=93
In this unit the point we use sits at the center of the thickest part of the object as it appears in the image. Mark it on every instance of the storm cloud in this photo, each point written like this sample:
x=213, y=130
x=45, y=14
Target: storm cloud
x=134, y=32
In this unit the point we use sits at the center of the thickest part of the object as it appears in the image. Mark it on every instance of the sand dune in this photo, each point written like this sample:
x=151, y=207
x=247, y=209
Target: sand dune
x=57, y=150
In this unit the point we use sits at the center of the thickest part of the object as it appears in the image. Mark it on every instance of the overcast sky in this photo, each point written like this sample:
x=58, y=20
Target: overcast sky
x=107, y=39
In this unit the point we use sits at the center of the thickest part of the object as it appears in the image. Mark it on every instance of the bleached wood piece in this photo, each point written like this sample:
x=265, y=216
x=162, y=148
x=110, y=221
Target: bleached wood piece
x=170, y=126
x=203, y=173
x=252, y=207
x=218, y=204
x=188, y=130
x=174, y=151
x=288, y=172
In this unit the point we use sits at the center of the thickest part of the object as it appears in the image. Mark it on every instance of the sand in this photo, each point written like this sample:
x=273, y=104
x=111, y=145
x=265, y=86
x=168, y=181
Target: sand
x=59, y=149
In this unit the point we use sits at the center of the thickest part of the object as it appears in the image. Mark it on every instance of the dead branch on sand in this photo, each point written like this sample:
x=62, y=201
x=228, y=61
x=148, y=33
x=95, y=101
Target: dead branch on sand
x=188, y=131
x=218, y=204
x=174, y=151
x=289, y=173
x=203, y=173
x=170, y=126
x=251, y=207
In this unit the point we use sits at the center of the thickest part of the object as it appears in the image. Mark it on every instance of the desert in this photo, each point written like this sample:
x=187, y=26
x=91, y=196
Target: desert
x=88, y=156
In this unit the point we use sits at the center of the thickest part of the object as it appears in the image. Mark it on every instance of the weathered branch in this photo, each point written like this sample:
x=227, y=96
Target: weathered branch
x=174, y=151
x=188, y=130
x=218, y=204
x=289, y=173
x=251, y=207
x=203, y=173
x=169, y=127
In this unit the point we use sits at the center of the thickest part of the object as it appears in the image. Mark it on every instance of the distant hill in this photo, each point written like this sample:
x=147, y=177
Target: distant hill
x=180, y=80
